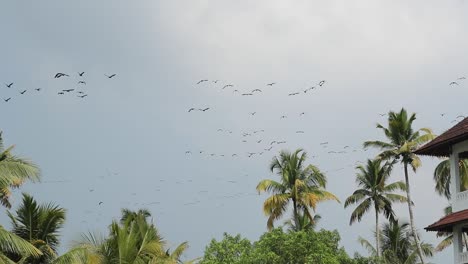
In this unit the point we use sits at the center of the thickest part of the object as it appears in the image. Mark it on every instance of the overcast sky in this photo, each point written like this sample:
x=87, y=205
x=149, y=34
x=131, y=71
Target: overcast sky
x=125, y=143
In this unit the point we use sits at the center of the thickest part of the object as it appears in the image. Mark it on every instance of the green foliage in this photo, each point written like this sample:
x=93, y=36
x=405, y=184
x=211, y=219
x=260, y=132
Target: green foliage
x=280, y=247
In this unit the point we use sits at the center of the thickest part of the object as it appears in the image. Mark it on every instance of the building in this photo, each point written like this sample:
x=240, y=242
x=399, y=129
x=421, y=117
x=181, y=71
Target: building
x=454, y=145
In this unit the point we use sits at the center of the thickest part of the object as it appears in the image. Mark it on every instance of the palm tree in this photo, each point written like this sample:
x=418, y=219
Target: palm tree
x=39, y=225
x=133, y=240
x=14, y=171
x=11, y=244
x=175, y=256
x=397, y=244
x=303, y=222
x=375, y=192
x=301, y=184
x=402, y=142
x=442, y=177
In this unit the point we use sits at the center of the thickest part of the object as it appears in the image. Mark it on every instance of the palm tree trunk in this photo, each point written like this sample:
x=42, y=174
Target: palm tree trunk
x=296, y=221
x=410, y=208
x=377, y=232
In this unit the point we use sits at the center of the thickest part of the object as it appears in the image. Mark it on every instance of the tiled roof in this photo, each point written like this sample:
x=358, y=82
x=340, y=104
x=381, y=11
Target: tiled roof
x=446, y=223
x=440, y=146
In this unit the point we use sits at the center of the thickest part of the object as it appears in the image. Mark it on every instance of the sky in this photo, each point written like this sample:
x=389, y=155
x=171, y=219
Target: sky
x=125, y=143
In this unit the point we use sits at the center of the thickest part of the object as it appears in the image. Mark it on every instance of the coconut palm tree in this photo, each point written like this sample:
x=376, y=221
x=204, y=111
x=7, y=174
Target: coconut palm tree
x=303, y=221
x=39, y=225
x=442, y=177
x=11, y=244
x=397, y=244
x=375, y=193
x=303, y=185
x=14, y=171
x=403, y=140
x=174, y=257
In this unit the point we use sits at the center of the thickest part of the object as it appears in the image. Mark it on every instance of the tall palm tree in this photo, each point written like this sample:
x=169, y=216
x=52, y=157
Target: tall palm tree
x=14, y=171
x=174, y=257
x=397, y=244
x=375, y=193
x=39, y=225
x=403, y=140
x=302, y=184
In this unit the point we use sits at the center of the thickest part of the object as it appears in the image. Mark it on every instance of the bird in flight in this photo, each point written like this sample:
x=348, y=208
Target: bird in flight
x=68, y=90
x=259, y=141
x=82, y=82
x=453, y=83
x=110, y=76
x=253, y=113
x=206, y=109
x=188, y=152
x=247, y=94
x=8, y=85
x=58, y=75
x=296, y=93
x=191, y=109
x=234, y=155
x=256, y=90
x=82, y=96
x=271, y=84
x=321, y=83
x=308, y=89
x=300, y=132
x=324, y=143
x=7, y=99
x=383, y=114
x=215, y=81
x=201, y=81
x=273, y=142
x=462, y=78
x=81, y=74
x=280, y=142
x=80, y=92
x=227, y=86
x=60, y=93
x=37, y=89
x=442, y=114
x=235, y=91
x=100, y=203
x=303, y=113
x=268, y=149
x=282, y=117
x=22, y=92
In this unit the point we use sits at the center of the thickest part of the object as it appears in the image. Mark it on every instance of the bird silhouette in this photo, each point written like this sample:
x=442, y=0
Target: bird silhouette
x=280, y=142
x=205, y=109
x=247, y=94
x=82, y=96
x=215, y=81
x=22, y=92
x=201, y=81
x=227, y=86
x=100, y=203
x=235, y=91
x=453, y=83
x=60, y=93
x=282, y=117
x=256, y=90
x=68, y=90
x=188, y=152
x=301, y=114
x=462, y=78
x=291, y=94
x=81, y=74
x=253, y=113
x=37, y=89
x=8, y=85
x=271, y=84
x=273, y=142
x=442, y=114
x=308, y=89
x=300, y=132
x=324, y=143
x=82, y=82
x=268, y=149
x=110, y=76
x=383, y=114
x=80, y=92
x=191, y=109
x=60, y=74
x=234, y=155
x=259, y=141
x=321, y=83
x=7, y=99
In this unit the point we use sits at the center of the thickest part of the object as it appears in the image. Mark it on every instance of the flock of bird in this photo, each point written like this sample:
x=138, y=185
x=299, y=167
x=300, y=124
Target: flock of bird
x=79, y=90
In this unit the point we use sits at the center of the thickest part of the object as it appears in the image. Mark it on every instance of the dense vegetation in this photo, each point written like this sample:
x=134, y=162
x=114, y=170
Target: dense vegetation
x=35, y=234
